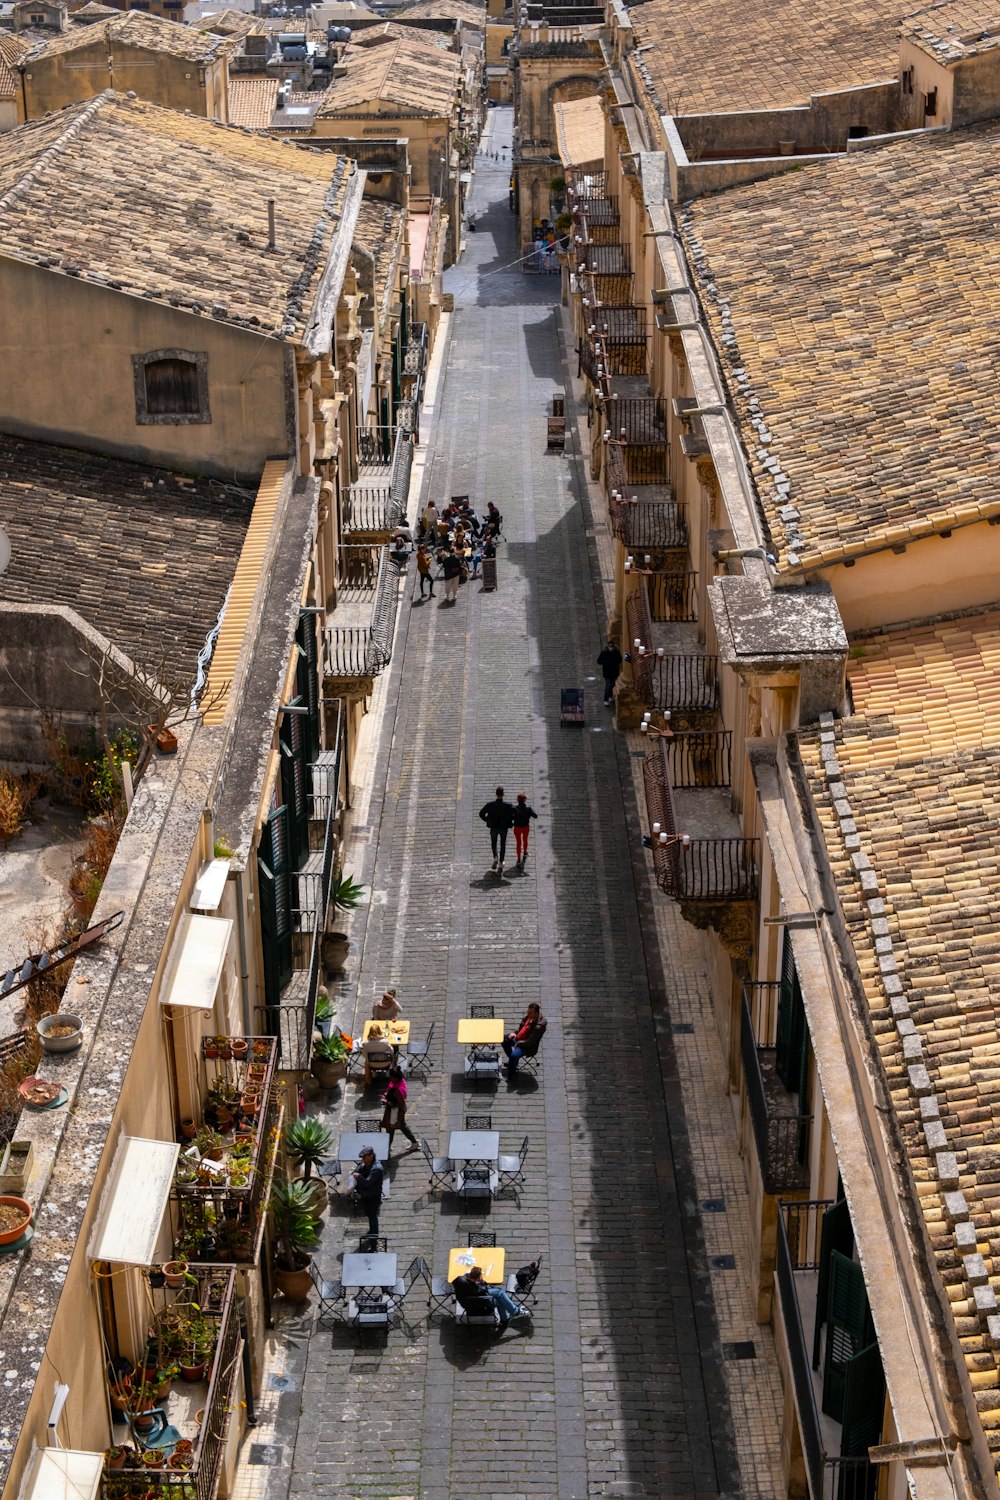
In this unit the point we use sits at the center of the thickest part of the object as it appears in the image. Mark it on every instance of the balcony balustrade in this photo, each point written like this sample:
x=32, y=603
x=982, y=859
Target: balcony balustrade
x=829, y=1476
x=223, y=1176
x=179, y=1456
x=700, y=758
x=781, y=1134
x=361, y=645
x=700, y=869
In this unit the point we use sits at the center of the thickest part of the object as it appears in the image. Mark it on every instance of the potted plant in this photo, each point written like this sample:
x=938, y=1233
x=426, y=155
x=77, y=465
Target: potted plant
x=163, y=1379
x=186, y=1173
x=157, y=1277
x=324, y=1013
x=114, y=1457
x=61, y=1032
x=260, y=1050
x=120, y=1392
x=15, y=1166
x=209, y=1143
x=15, y=1216
x=346, y=895
x=308, y=1141
x=175, y=1272
x=240, y=1046
x=329, y=1060
x=291, y=1205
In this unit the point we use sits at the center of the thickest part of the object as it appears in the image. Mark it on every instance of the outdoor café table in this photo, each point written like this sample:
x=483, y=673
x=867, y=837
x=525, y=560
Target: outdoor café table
x=352, y=1142
x=370, y=1272
x=481, y=1146
x=480, y=1036
x=490, y=1262
x=396, y=1032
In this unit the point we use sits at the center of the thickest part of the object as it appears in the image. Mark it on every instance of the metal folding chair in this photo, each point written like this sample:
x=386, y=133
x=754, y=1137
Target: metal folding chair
x=511, y=1168
x=418, y=1055
x=481, y=1012
x=329, y=1294
x=371, y=1311
x=413, y=1272
x=441, y=1167
x=483, y=1067
x=372, y=1244
x=475, y=1182
x=367, y=1124
x=482, y=1239
x=440, y=1295
x=525, y=1288
x=479, y=1122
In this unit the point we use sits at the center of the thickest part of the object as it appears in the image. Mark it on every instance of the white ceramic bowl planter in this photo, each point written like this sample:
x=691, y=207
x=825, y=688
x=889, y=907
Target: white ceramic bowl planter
x=62, y=1032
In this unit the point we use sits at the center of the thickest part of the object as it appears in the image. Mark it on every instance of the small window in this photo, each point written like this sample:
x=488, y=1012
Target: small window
x=857, y=132
x=171, y=387
x=930, y=102
x=906, y=81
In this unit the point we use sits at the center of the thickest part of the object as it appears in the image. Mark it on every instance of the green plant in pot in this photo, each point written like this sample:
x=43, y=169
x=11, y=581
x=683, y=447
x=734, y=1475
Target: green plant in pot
x=329, y=1060
x=324, y=1013
x=345, y=894
x=308, y=1141
x=291, y=1207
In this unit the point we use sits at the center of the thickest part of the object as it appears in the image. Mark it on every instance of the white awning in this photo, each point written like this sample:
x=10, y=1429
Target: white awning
x=64, y=1474
x=199, y=968
x=210, y=885
x=135, y=1201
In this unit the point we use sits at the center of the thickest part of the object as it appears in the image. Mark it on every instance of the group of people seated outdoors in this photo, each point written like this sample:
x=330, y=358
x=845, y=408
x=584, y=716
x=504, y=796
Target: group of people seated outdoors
x=455, y=537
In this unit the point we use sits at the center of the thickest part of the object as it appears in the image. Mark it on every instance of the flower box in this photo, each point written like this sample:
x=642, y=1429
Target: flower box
x=15, y=1166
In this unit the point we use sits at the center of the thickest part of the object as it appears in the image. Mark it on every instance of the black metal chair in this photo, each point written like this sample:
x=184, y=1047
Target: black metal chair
x=372, y=1244
x=367, y=1124
x=511, y=1168
x=371, y=1311
x=441, y=1167
x=330, y=1295
x=482, y=1239
x=418, y=1055
x=479, y=1122
x=481, y=1012
x=475, y=1182
x=521, y=1284
x=416, y=1269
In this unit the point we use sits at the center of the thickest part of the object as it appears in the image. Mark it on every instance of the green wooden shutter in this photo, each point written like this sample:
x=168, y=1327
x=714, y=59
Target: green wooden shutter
x=864, y=1403
x=849, y=1330
x=307, y=681
x=791, y=1037
x=293, y=737
x=836, y=1233
x=275, y=905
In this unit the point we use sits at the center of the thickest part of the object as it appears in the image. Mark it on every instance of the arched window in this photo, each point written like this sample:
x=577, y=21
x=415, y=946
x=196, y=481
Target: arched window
x=171, y=386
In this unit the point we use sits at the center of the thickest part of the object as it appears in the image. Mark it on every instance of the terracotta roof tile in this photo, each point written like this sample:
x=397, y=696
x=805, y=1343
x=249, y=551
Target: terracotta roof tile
x=144, y=555
x=403, y=77
x=919, y=768
x=710, y=56
x=378, y=231
x=167, y=205
x=955, y=29
x=860, y=339
x=131, y=28
x=455, y=10
x=392, y=31
x=12, y=49
x=251, y=101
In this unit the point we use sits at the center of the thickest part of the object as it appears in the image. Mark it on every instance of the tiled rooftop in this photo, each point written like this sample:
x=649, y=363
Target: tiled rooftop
x=952, y=30
x=711, y=56
x=403, y=77
x=378, y=231
x=580, y=131
x=860, y=339
x=454, y=10
x=131, y=28
x=906, y=791
x=144, y=555
x=228, y=23
x=251, y=101
x=392, y=31
x=12, y=49
x=173, y=207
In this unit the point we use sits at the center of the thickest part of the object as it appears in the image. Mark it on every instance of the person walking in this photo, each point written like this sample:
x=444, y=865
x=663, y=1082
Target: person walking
x=394, y=1099
x=368, y=1177
x=498, y=816
x=610, y=663
x=424, y=569
x=523, y=815
x=453, y=569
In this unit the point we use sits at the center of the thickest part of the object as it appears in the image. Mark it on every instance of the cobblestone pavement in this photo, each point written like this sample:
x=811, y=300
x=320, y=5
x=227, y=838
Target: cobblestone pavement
x=619, y=1387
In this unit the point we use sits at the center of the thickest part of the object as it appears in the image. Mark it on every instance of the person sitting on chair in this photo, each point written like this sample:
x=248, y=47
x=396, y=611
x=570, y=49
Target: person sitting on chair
x=477, y=1298
x=379, y=1056
x=526, y=1040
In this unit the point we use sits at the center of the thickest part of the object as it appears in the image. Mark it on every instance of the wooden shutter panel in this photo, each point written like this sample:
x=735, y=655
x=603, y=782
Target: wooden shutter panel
x=849, y=1329
x=836, y=1233
x=791, y=1037
x=864, y=1403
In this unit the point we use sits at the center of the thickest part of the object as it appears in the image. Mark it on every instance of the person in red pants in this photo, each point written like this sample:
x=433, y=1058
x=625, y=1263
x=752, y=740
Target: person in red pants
x=523, y=815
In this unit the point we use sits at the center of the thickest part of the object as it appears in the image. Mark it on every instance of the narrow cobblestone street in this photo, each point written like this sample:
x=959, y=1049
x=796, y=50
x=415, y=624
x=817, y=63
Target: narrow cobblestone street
x=618, y=1387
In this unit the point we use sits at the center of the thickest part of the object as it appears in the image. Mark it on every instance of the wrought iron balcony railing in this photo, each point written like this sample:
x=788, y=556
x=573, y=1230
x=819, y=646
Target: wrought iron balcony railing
x=700, y=869
x=700, y=758
x=369, y=588
x=210, y=1304
x=673, y=597
x=830, y=1476
x=782, y=1138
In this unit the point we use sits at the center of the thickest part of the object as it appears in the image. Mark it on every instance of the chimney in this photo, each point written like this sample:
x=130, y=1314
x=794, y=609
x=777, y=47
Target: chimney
x=271, y=244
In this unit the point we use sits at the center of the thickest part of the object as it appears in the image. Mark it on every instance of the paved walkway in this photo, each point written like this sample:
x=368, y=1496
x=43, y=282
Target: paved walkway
x=620, y=1386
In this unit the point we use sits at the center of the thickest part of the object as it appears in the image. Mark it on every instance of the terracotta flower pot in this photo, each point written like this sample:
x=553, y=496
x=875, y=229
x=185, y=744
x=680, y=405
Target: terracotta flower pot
x=20, y=1216
x=240, y=1048
x=193, y=1373
x=175, y=1271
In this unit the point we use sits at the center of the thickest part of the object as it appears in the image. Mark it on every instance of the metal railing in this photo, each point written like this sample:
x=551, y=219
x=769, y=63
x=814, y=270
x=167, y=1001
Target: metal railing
x=292, y=1021
x=782, y=1140
x=219, y=1221
x=602, y=260
x=673, y=597
x=640, y=424
x=700, y=758
x=363, y=650
x=830, y=1476
x=201, y=1481
x=683, y=683
x=658, y=523
x=614, y=288
x=399, y=476
x=703, y=869
x=415, y=356
x=763, y=997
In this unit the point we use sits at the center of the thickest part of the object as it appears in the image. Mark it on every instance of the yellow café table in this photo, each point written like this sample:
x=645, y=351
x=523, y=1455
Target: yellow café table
x=476, y=1033
x=491, y=1262
x=396, y=1032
